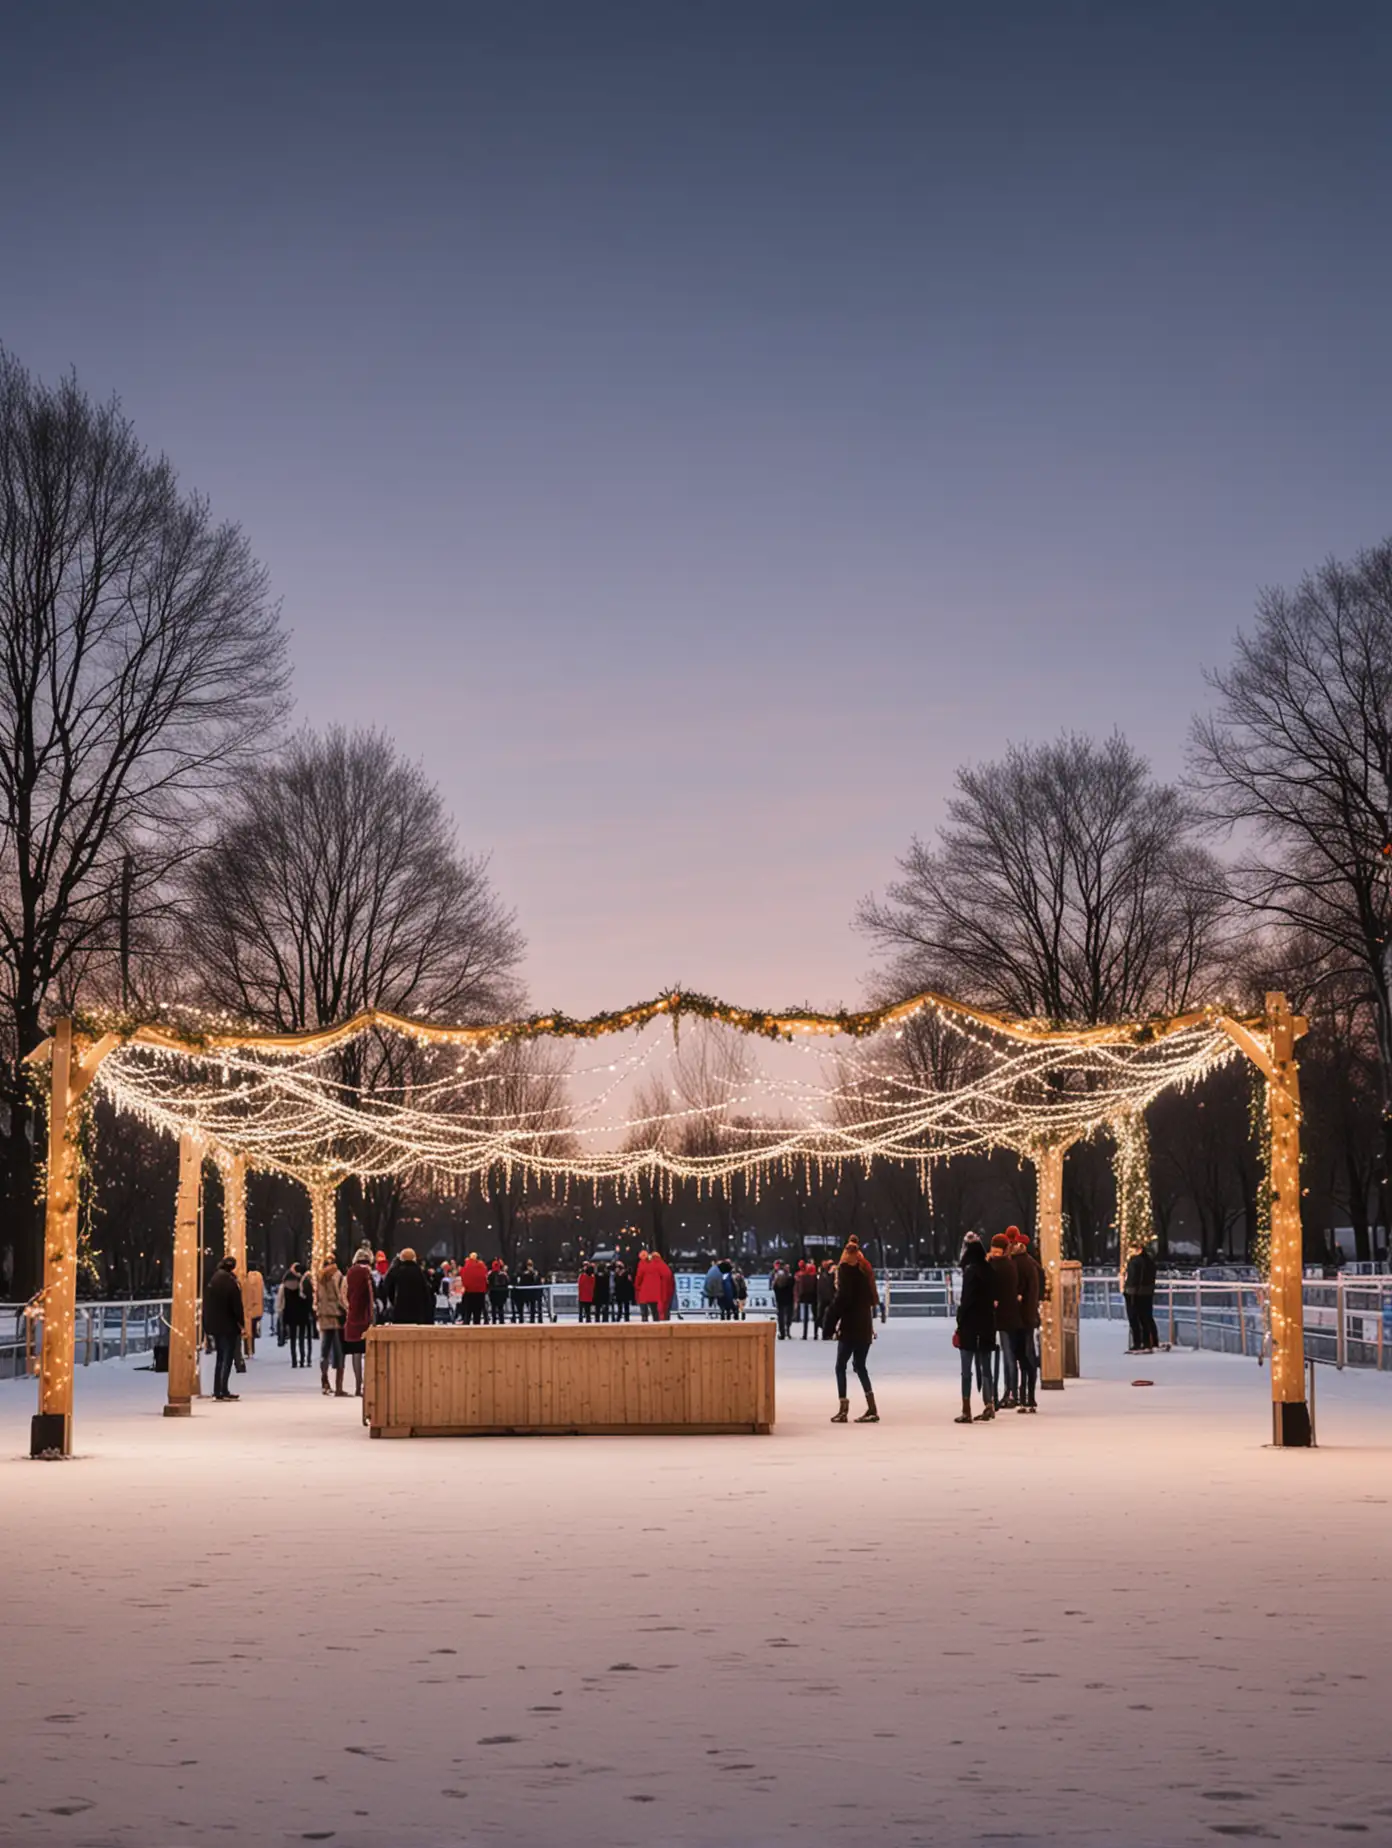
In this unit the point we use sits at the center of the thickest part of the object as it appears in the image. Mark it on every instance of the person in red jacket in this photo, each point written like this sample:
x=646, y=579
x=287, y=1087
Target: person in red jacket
x=645, y=1288
x=473, y=1300
x=586, y=1288
x=361, y=1294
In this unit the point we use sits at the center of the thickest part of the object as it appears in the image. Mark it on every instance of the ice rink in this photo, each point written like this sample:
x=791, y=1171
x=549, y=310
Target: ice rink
x=1122, y=1622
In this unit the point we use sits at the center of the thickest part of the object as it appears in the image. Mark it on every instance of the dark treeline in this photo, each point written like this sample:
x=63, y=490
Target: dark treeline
x=164, y=836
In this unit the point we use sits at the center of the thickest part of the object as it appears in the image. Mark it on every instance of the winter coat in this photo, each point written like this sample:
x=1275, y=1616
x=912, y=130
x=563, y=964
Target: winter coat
x=976, y=1307
x=408, y=1294
x=585, y=1286
x=806, y=1287
x=666, y=1284
x=292, y=1301
x=329, y=1305
x=222, y=1305
x=783, y=1284
x=623, y=1287
x=826, y=1292
x=360, y=1297
x=498, y=1283
x=1030, y=1274
x=852, y=1311
x=1005, y=1283
x=715, y=1284
x=1140, y=1274
x=601, y=1289
x=647, y=1281
x=253, y=1296
x=474, y=1276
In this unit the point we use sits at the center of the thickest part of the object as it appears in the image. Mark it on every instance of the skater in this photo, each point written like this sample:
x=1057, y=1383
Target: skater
x=850, y=1322
x=784, y=1287
x=407, y=1293
x=473, y=1296
x=224, y=1324
x=1006, y=1285
x=585, y=1291
x=329, y=1312
x=1139, y=1290
x=359, y=1302
x=497, y=1292
x=622, y=1292
x=1030, y=1274
x=293, y=1314
x=976, y=1329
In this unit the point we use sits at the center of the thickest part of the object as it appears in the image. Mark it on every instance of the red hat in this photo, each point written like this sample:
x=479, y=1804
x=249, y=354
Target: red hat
x=1000, y=1242
x=1016, y=1236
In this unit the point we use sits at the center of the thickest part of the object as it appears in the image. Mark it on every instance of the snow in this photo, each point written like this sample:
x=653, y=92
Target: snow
x=1123, y=1621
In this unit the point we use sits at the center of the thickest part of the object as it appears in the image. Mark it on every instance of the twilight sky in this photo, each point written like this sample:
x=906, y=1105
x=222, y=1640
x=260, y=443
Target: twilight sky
x=692, y=429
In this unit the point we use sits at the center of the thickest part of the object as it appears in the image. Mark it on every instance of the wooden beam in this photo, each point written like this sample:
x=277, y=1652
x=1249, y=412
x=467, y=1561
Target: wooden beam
x=1290, y=1413
x=1049, y=1168
x=323, y=1221
x=51, y=1433
x=183, y=1314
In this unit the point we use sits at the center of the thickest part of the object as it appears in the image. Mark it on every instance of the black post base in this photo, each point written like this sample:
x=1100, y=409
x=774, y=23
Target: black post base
x=49, y=1435
x=1291, y=1425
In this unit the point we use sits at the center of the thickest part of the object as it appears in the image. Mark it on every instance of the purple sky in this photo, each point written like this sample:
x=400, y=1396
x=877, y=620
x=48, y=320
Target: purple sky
x=694, y=429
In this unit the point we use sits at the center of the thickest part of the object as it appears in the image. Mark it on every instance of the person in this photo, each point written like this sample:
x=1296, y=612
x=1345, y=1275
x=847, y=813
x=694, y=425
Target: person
x=784, y=1287
x=715, y=1291
x=850, y=1322
x=380, y=1265
x=329, y=1311
x=728, y=1299
x=407, y=1293
x=1030, y=1273
x=224, y=1324
x=1006, y=1285
x=497, y=1291
x=667, y=1286
x=293, y=1314
x=602, y=1293
x=647, y=1287
x=741, y=1283
x=622, y=1292
x=1139, y=1289
x=805, y=1297
x=585, y=1289
x=473, y=1297
x=359, y=1303
x=976, y=1329
x=532, y=1291
x=826, y=1290
x=253, y=1308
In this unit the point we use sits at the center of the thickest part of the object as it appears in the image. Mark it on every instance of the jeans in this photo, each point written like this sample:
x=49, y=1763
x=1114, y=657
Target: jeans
x=471, y=1305
x=623, y=1312
x=1145, y=1322
x=534, y=1302
x=1026, y=1344
x=977, y=1361
x=1006, y=1354
x=225, y=1351
x=857, y=1353
x=301, y=1343
x=809, y=1316
x=331, y=1347
x=497, y=1306
x=587, y=1312
x=785, y=1317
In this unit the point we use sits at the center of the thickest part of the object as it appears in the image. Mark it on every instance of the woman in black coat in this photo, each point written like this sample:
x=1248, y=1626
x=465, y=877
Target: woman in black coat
x=850, y=1321
x=976, y=1329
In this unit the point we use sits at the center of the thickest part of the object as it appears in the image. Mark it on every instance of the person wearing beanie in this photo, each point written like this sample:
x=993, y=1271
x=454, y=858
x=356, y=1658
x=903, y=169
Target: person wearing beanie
x=224, y=1321
x=497, y=1291
x=850, y=1322
x=1029, y=1274
x=406, y=1290
x=622, y=1290
x=473, y=1299
x=360, y=1300
x=293, y=1316
x=1005, y=1285
x=976, y=1329
x=330, y=1310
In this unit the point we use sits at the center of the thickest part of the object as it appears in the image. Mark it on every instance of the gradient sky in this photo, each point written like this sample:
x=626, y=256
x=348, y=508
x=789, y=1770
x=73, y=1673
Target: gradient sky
x=694, y=429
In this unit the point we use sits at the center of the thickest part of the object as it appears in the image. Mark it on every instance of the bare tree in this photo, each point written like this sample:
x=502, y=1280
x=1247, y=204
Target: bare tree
x=1066, y=884
x=140, y=661
x=335, y=883
x=1299, y=754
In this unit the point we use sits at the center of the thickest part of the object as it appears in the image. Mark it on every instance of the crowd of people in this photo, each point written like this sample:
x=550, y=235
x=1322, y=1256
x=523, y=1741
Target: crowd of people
x=611, y=1292
x=998, y=1324
x=802, y=1295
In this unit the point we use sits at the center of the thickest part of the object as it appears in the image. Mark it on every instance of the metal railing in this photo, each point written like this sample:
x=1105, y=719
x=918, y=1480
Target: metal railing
x=102, y=1331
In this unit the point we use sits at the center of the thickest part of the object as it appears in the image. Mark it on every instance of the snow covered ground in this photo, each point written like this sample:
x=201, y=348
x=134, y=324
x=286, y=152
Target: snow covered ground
x=1122, y=1622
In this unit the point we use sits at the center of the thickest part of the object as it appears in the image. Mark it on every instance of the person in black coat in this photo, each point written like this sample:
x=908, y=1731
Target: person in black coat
x=850, y=1322
x=1006, y=1284
x=1029, y=1273
x=601, y=1293
x=623, y=1291
x=407, y=1291
x=976, y=1329
x=1139, y=1288
x=783, y=1286
x=224, y=1322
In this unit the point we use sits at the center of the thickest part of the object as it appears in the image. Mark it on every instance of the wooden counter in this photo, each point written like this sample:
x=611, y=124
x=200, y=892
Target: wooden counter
x=586, y=1378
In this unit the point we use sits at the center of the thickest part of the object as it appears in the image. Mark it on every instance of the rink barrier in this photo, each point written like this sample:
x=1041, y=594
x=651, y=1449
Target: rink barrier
x=605, y=1379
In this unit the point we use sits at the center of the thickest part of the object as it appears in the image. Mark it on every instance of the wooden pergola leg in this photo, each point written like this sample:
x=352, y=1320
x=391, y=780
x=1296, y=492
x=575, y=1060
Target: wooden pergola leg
x=323, y=1223
x=183, y=1314
x=234, y=1175
x=51, y=1430
x=1290, y=1414
x=1049, y=1169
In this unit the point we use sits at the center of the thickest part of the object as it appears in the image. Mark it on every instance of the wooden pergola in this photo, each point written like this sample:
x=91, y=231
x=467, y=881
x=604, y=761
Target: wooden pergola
x=74, y=1057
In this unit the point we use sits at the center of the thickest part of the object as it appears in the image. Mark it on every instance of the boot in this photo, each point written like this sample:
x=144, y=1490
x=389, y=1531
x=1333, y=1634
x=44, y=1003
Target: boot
x=324, y=1378
x=339, y=1393
x=843, y=1412
x=964, y=1416
x=869, y=1415
x=988, y=1412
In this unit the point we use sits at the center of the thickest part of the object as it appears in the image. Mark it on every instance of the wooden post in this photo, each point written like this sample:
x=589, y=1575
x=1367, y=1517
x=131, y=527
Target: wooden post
x=1290, y=1415
x=322, y=1199
x=1049, y=1168
x=51, y=1432
x=183, y=1314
